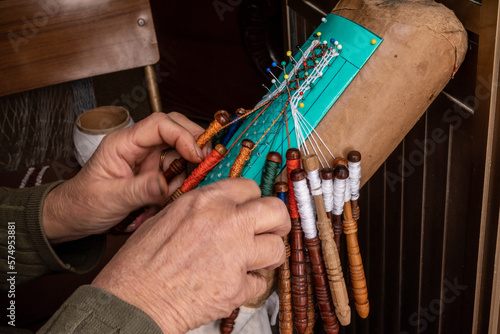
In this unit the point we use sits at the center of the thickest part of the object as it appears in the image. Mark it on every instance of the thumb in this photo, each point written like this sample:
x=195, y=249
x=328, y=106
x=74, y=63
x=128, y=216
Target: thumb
x=143, y=189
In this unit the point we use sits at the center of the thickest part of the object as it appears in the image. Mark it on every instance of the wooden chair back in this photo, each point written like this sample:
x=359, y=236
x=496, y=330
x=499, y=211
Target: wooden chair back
x=46, y=42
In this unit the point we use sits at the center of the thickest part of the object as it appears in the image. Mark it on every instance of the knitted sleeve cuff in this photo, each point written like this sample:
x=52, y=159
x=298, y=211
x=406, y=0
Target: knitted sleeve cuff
x=93, y=310
x=78, y=256
x=21, y=219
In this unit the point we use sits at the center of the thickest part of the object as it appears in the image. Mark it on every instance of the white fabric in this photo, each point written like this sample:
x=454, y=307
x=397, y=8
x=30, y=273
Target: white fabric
x=249, y=320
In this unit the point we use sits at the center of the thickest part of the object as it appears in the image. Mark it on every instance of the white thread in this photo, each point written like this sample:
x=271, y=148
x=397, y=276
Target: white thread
x=306, y=211
x=268, y=97
x=40, y=175
x=26, y=177
x=314, y=182
x=338, y=196
x=347, y=193
x=327, y=188
x=354, y=178
x=301, y=122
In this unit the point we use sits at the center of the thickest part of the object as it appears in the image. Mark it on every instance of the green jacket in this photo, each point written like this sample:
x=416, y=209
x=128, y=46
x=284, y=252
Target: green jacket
x=89, y=309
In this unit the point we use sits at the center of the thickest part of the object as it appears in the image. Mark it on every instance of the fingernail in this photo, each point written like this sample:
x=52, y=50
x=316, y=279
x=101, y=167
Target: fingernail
x=160, y=185
x=155, y=187
x=199, y=152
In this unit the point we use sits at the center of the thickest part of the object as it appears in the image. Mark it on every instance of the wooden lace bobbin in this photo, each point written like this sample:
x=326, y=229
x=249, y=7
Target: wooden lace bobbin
x=354, y=160
x=297, y=256
x=327, y=188
x=199, y=172
x=311, y=303
x=270, y=171
x=227, y=324
x=357, y=273
x=231, y=129
x=285, y=287
x=330, y=252
x=177, y=166
x=321, y=283
x=339, y=165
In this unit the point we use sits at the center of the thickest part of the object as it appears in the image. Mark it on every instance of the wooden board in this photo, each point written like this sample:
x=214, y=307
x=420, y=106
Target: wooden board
x=45, y=42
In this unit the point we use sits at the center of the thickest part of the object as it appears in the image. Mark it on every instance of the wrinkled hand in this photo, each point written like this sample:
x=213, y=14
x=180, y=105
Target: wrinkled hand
x=191, y=263
x=120, y=177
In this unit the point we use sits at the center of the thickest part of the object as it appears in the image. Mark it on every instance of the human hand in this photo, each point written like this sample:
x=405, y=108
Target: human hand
x=121, y=176
x=196, y=267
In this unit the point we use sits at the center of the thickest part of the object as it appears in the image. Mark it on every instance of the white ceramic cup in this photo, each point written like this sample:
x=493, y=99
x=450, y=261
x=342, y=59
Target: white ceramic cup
x=93, y=125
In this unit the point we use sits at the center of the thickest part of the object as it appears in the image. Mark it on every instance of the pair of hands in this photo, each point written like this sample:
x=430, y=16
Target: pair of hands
x=190, y=264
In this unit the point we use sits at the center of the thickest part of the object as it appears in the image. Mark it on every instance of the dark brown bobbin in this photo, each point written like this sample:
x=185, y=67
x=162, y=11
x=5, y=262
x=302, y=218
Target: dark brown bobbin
x=354, y=156
x=299, y=278
x=326, y=173
x=322, y=288
x=293, y=154
x=240, y=112
x=274, y=157
x=285, y=284
x=298, y=174
x=222, y=117
x=341, y=172
x=339, y=161
x=311, y=300
x=176, y=167
x=247, y=143
x=281, y=187
x=227, y=324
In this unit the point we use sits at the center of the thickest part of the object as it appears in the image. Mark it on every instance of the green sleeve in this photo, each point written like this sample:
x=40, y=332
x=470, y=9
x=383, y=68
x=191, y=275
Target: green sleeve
x=92, y=310
x=20, y=217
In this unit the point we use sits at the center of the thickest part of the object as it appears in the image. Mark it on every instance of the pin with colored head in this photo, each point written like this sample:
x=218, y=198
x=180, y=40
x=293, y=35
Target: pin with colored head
x=289, y=54
x=275, y=79
x=298, y=48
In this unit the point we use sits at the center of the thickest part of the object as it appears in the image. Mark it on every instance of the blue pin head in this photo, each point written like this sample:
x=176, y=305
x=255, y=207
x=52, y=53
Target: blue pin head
x=274, y=64
x=268, y=69
x=332, y=40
